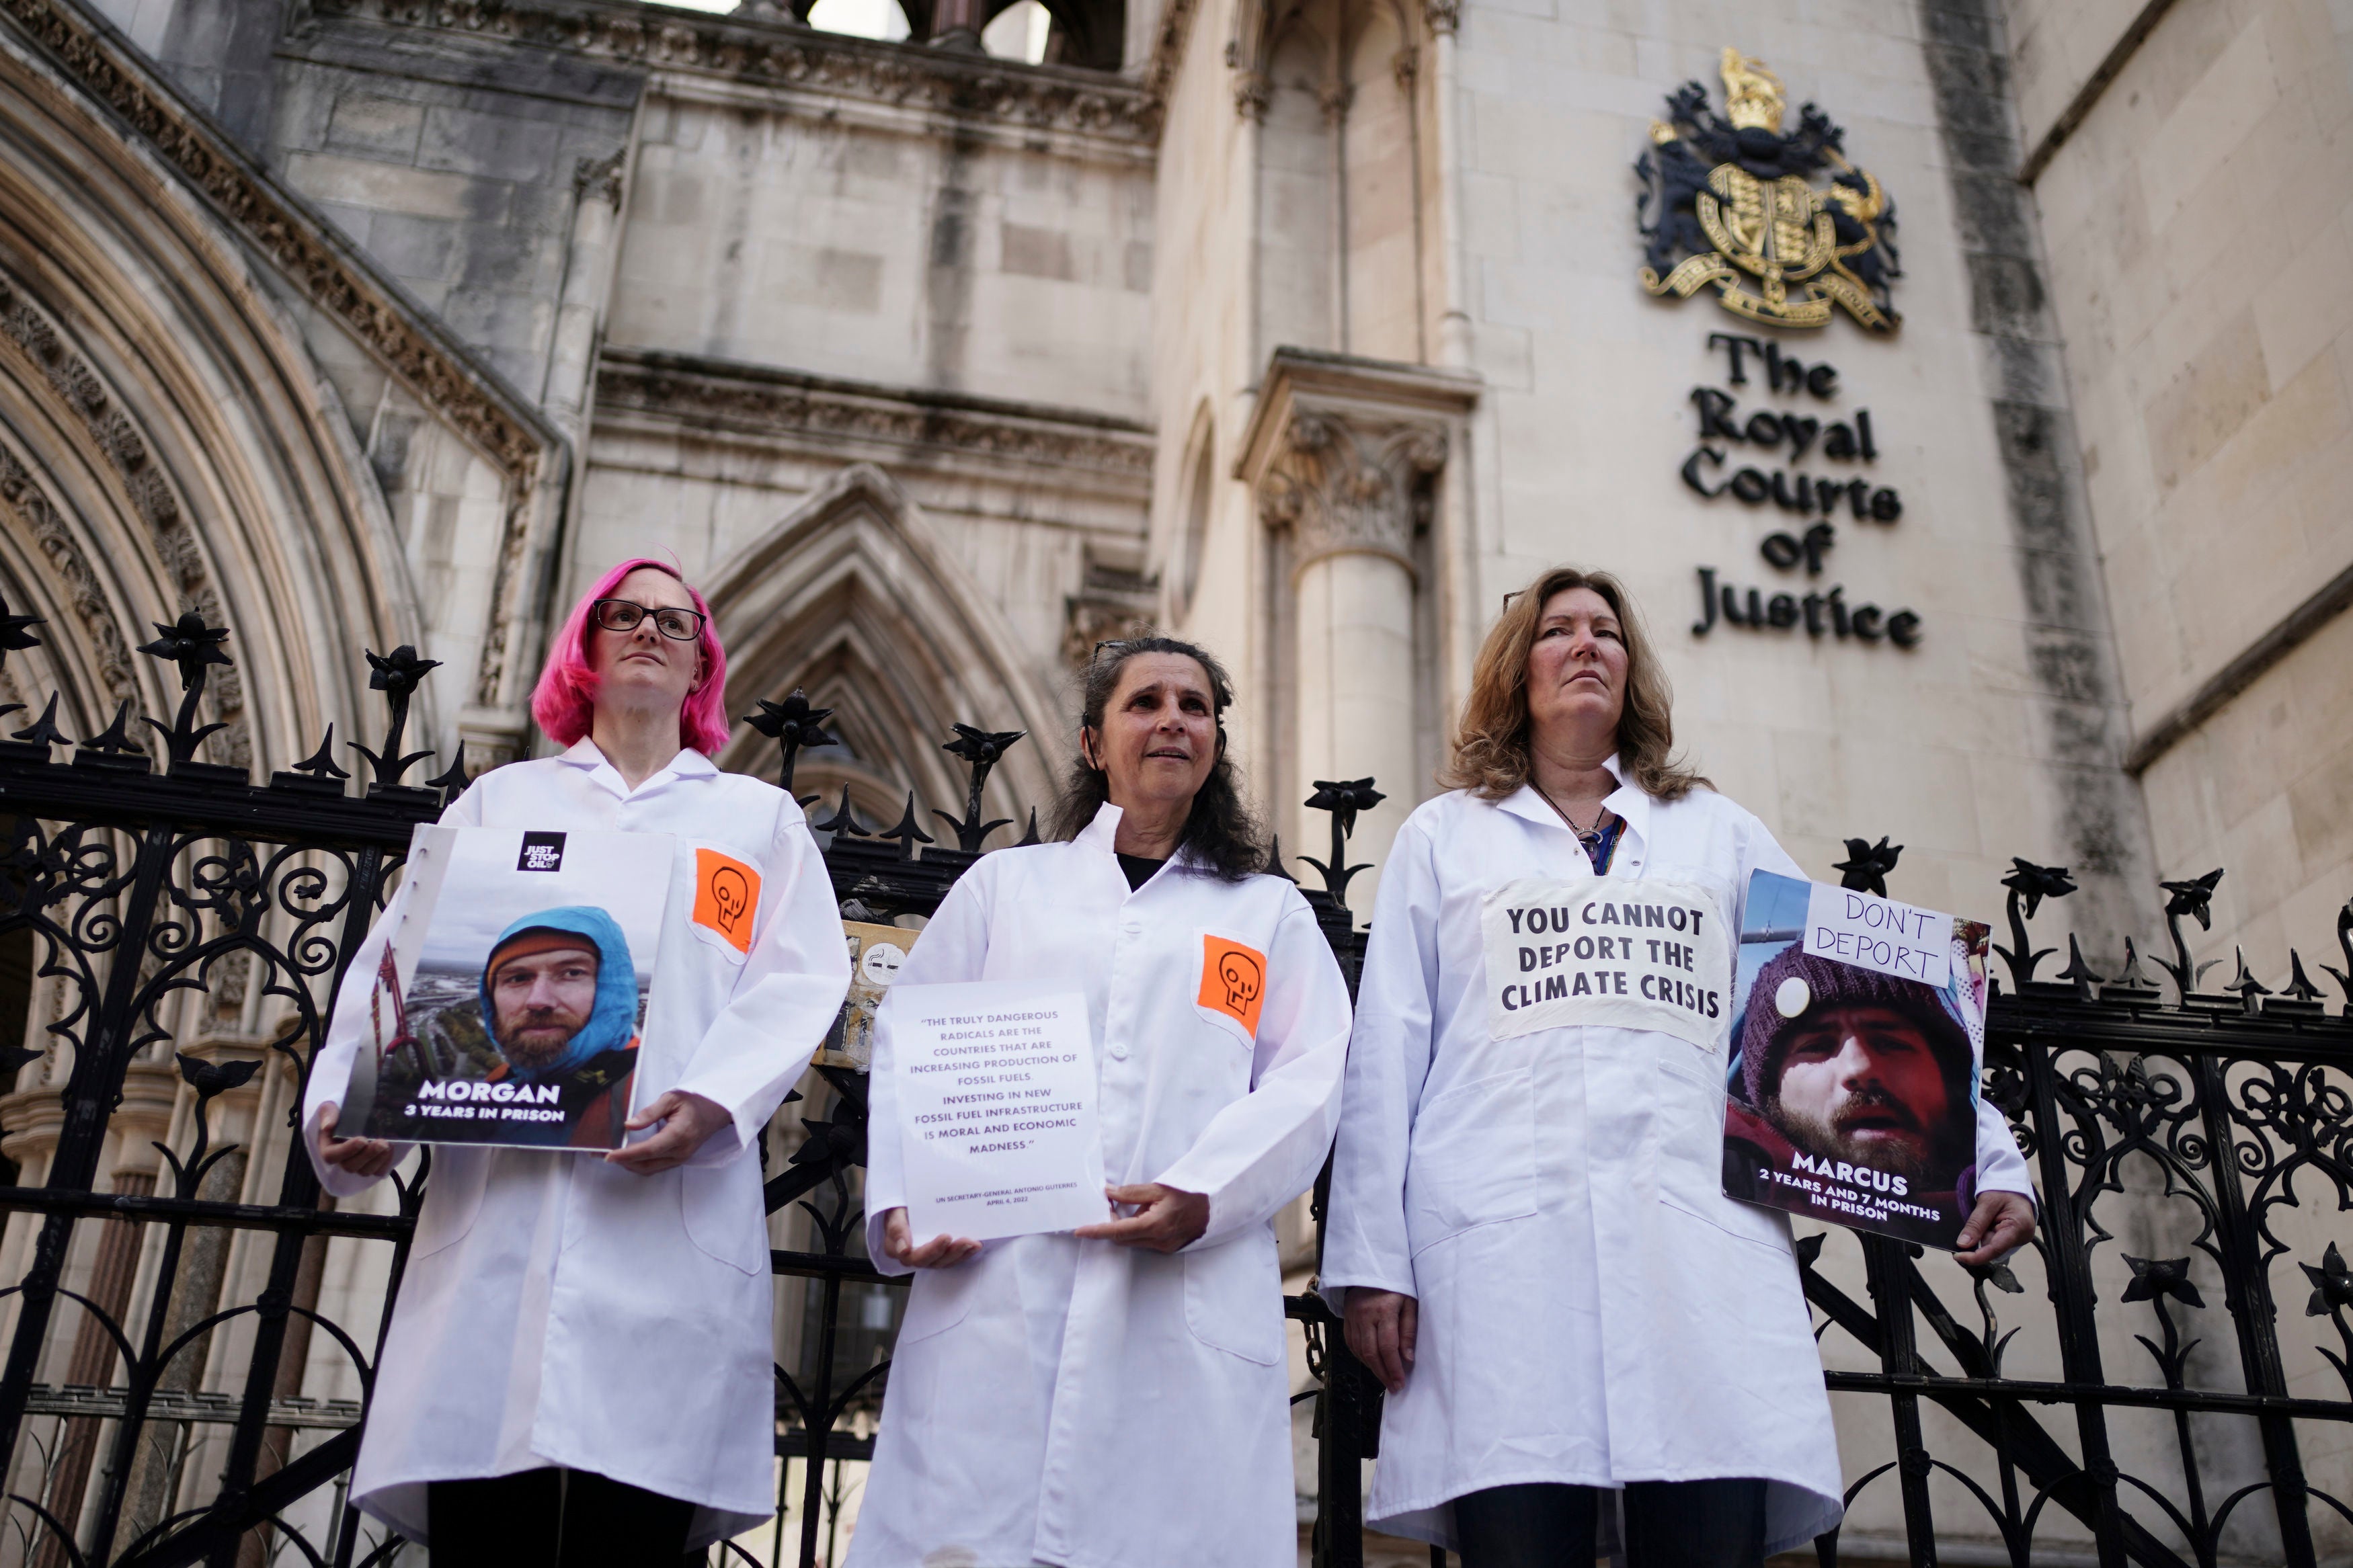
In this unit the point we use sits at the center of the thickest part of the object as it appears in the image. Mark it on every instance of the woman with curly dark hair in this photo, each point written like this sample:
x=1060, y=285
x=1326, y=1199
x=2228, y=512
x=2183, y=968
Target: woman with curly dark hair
x=1036, y=1377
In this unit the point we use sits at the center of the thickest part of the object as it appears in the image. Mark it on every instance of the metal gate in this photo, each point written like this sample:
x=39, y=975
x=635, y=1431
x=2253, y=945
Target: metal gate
x=143, y=901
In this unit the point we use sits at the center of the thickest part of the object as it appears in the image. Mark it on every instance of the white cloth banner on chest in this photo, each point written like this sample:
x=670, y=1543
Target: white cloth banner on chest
x=1607, y=950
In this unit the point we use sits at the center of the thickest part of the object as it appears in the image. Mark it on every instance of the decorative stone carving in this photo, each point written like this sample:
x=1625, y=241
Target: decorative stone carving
x=1346, y=483
x=1115, y=600
x=716, y=393
x=1168, y=55
x=1252, y=89
x=1339, y=451
x=24, y=501
x=784, y=54
x=48, y=356
x=600, y=179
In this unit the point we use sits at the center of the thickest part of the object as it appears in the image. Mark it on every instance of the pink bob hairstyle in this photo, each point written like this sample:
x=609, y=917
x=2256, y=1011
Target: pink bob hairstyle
x=565, y=697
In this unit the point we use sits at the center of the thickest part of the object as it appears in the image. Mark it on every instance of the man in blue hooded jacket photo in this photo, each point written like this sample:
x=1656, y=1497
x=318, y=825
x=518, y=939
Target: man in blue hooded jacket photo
x=560, y=1001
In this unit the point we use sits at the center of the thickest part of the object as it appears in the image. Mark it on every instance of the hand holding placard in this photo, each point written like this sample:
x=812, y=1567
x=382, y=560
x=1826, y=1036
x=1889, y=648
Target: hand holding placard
x=997, y=1097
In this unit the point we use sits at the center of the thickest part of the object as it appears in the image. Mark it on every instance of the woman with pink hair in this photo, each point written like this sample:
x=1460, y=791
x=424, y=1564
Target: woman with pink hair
x=578, y=1369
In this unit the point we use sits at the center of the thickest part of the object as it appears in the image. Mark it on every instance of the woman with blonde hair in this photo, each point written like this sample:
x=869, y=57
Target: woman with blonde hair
x=1528, y=1234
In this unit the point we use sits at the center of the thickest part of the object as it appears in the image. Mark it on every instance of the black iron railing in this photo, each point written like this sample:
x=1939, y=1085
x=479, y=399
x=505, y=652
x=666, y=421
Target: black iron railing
x=2161, y=1420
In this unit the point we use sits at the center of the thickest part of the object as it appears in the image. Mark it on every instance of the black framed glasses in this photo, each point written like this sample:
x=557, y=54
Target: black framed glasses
x=621, y=615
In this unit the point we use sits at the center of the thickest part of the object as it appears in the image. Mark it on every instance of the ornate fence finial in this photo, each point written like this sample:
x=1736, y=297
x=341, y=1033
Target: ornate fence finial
x=2030, y=884
x=2193, y=898
x=43, y=730
x=793, y=724
x=981, y=750
x=1274, y=859
x=321, y=763
x=907, y=832
x=1031, y=837
x=397, y=675
x=844, y=820
x=2080, y=974
x=1865, y=868
x=113, y=746
x=2250, y=990
x=1343, y=799
x=452, y=780
x=194, y=647
x=315, y=775
x=2133, y=983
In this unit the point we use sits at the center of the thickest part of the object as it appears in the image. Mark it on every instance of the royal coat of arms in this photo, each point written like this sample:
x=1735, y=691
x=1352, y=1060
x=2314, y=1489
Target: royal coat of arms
x=1733, y=201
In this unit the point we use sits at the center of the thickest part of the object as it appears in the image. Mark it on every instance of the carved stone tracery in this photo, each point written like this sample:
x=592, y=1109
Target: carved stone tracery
x=48, y=357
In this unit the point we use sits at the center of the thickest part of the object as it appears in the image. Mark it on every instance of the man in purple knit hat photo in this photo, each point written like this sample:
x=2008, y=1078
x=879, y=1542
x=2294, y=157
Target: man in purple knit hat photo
x=1857, y=1084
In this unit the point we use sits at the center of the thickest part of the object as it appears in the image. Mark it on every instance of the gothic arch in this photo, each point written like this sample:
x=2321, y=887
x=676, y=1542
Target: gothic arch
x=852, y=598
x=169, y=443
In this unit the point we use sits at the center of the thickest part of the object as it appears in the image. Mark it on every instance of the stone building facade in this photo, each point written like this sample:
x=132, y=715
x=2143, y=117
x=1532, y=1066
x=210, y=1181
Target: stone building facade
x=1306, y=328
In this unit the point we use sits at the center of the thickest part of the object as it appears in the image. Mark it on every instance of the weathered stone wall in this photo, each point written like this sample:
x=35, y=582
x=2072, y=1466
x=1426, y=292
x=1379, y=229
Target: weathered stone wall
x=1996, y=736
x=844, y=237
x=810, y=280
x=457, y=165
x=2199, y=221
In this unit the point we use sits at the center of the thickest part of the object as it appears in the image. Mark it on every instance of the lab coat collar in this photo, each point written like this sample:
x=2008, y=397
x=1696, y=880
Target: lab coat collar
x=586, y=753
x=1627, y=800
x=1102, y=834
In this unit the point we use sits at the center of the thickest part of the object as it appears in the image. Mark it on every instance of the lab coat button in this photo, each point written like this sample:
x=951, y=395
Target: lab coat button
x=1119, y=1050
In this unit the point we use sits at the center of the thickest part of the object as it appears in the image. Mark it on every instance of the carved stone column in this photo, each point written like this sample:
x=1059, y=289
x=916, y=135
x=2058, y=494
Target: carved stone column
x=1341, y=453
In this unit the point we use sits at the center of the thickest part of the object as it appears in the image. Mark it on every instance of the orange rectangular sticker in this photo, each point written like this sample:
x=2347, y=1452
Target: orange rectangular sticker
x=1233, y=980
x=726, y=896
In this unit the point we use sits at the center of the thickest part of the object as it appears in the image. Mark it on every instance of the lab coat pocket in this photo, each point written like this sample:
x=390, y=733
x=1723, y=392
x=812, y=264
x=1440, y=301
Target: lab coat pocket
x=1473, y=1158
x=721, y=1207
x=726, y=903
x=453, y=1197
x=1691, y=1150
x=1229, y=984
x=938, y=1299
x=1233, y=1297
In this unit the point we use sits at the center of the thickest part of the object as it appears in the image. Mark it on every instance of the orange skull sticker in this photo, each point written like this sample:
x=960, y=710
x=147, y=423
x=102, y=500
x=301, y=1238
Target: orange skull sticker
x=727, y=893
x=1233, y=980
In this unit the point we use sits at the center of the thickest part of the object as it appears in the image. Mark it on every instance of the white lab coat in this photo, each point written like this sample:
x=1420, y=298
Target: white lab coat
x=1080, y=1403
x=560, y=1310
x=1593, y=1310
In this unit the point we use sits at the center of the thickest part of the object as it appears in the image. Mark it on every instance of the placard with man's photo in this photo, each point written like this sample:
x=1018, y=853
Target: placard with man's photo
x=508, y=1006
x=1857, y=1029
